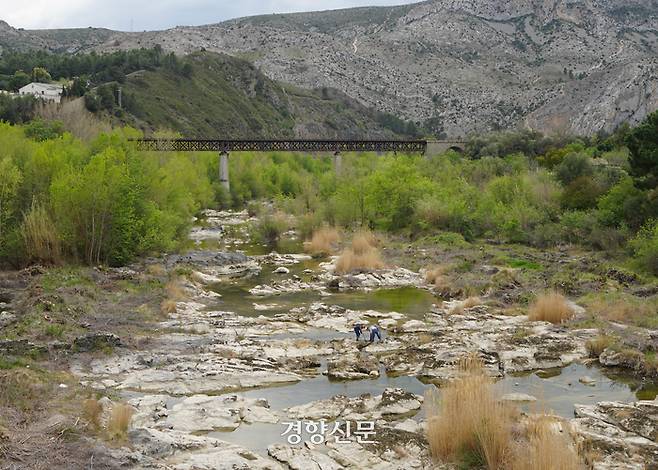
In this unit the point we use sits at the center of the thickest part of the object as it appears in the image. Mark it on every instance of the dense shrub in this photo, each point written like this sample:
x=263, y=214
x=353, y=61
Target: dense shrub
x=17, y=109
x=645, y=247
x=574, y=166
x=97, y=203
x=581, y=193
x=624, y=204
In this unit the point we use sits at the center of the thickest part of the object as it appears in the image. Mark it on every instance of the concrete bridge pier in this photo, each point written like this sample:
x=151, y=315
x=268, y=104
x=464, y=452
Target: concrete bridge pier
x=223, y=171
x=338, y=162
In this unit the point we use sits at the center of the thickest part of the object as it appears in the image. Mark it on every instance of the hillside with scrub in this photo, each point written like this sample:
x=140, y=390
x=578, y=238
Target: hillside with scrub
x=202, y=95
x=143, y=306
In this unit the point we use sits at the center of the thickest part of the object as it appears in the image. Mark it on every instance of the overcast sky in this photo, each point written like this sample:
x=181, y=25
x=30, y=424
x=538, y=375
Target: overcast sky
x=138, y=15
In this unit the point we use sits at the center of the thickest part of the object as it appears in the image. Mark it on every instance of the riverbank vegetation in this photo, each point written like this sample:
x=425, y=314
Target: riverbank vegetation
x=104, y=202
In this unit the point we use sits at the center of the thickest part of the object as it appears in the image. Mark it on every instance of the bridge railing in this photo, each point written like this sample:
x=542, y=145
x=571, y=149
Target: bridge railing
x=267, y=145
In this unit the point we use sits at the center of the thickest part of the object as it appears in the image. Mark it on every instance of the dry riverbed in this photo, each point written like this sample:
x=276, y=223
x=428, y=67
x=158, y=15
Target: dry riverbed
x=220, y=353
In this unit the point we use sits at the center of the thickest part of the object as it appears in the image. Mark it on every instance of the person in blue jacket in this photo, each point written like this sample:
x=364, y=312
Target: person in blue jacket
x=358, y=330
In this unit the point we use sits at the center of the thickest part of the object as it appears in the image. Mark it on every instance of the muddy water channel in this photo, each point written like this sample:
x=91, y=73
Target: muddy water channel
x=264, y=340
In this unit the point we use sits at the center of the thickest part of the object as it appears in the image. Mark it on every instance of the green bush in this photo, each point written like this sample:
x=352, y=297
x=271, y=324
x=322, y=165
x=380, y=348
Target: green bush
x=98, y=203
x=574, y=166
x=269, y=228
x=40, y=130
x=393, y=190
x=623, y=204
x=645, y=247
x=580, y=194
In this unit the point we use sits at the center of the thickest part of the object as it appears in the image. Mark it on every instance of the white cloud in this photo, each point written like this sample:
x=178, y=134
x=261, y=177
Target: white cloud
x=144, y=14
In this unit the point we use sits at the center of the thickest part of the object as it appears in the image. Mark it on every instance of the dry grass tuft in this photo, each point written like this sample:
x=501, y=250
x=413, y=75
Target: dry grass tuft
x=362, y=256
x=599, y=344
x=469, y=423
x=546, y=449
x=363, y=242
x=175, y=290
x=175, y=293
x=551, y=307
x=91, y=411
x=349, y=261
x=472, y=302
x=323, y=242
x=470, y=426
x=156, y=269
x=119, y=421
x=435, y=275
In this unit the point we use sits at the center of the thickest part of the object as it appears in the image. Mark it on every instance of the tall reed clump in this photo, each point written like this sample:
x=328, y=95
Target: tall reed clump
x=551, y=307
x=435, y=275
x=175, y=293
x=119, y=421
x=92, y=410
x=363, y=255
x=468, y=423
x=40, y=236
x=545, y=447
x=323, y=242
x=470, y=426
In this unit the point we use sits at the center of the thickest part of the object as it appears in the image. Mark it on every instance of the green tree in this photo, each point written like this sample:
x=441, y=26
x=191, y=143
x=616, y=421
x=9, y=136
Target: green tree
x=106, y=97
x=78, y=87
x=18, y=80
x=643, y=145
x=41, y=75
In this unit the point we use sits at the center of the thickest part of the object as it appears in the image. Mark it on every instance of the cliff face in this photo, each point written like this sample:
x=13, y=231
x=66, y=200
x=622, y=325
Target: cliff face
x=465, y=65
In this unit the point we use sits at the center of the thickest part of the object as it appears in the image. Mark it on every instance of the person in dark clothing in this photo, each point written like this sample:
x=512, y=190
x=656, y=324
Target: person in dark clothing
x=358, y=330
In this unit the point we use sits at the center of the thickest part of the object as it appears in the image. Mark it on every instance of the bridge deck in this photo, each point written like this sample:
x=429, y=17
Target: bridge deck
x=264, y=145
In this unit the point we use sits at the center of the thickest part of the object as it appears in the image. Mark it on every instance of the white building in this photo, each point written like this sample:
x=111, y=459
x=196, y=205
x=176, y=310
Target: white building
x=46, y=91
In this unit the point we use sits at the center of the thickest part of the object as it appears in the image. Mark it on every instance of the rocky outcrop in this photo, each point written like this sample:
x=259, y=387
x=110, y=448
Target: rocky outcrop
x=621, y=435
x=183, y=451
x=96, y=341
x=376, y=279
x=200, y=413
x=353, y=367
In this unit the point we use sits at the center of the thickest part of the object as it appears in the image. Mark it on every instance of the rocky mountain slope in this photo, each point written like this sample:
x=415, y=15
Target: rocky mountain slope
x=461, y=65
